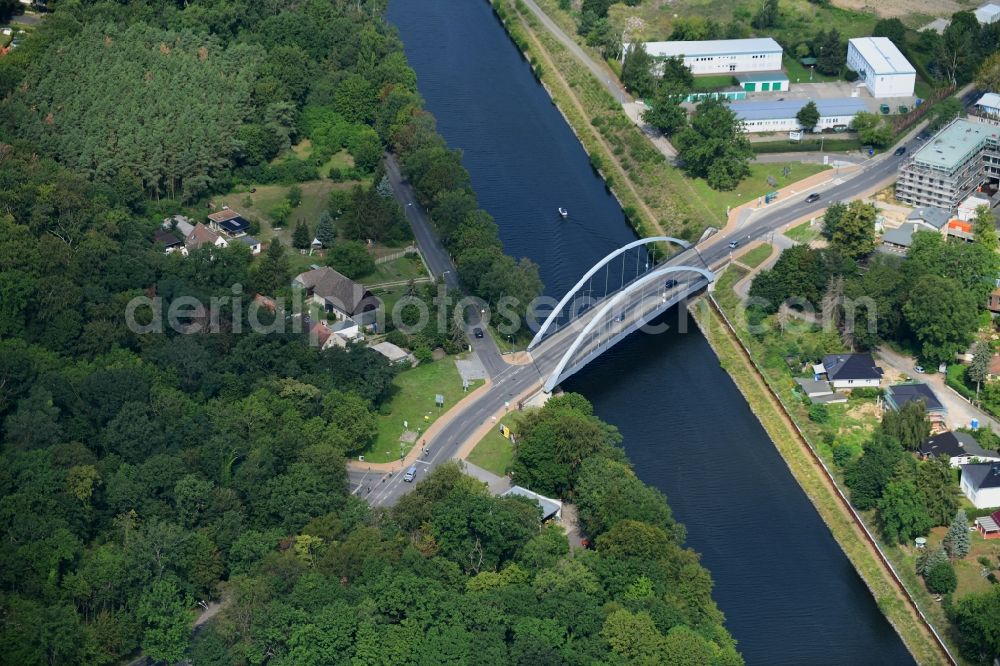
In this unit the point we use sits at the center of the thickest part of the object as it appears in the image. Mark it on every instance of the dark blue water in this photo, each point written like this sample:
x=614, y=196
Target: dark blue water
x=789, y=594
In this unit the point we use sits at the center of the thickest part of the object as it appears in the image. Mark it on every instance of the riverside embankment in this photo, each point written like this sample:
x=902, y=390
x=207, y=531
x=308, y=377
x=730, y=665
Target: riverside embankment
x=789, y=593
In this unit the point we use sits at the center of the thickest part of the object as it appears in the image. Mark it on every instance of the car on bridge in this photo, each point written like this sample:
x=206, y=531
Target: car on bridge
x=812, y=198
x=670, y=284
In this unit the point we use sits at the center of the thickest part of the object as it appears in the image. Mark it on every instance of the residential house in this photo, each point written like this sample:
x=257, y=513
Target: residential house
x=989, y=526
x=850, y=371
x=960, y=448
x=202, y=236
x=228, y=222
x=171, y=243
x=900, y=240
x=930, y=218
x=981, y=484
x=250, y=242
x=551, y=508
x=898, y=396
x=337, y=294
x=319, y=333
x=993, y=302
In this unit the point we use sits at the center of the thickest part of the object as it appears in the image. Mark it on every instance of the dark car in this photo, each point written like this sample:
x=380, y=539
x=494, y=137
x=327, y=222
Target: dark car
x=923, y=136
x=478, y=332
x=812, y=198
x=900, y=151
x=670, y=284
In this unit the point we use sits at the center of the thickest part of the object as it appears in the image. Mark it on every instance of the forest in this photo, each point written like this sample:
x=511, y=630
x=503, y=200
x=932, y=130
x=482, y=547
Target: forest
x=147, y=475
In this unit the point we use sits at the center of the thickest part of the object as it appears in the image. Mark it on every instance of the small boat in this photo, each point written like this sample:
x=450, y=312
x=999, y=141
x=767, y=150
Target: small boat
x=563, y=212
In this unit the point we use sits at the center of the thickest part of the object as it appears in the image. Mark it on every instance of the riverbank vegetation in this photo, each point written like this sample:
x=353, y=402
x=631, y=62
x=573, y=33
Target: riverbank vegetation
x=783, y=428
x=656, y=596
x=870, y=451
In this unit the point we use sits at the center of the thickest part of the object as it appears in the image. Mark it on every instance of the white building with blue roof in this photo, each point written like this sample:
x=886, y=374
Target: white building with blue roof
x=722, y=56
x=779, y=115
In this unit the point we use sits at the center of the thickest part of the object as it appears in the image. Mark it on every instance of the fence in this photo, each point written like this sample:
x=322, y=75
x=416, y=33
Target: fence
x=840, y=493
x=410, y=249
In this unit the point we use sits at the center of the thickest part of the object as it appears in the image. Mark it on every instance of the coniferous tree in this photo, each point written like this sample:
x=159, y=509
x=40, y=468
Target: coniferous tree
x=301, y=238
x=325, y=231
x=957, y=541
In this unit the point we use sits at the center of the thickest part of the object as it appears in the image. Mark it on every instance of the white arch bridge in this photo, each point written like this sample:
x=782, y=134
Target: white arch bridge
x=616, y=297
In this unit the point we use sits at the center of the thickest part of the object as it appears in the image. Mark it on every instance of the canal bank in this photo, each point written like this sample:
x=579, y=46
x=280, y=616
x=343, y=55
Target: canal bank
x=789, y=593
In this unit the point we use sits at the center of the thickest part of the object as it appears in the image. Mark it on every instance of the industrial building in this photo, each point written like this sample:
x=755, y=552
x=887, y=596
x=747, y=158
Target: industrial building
x=950, y=166
x=882, y=68
x=722, y=56
x=779, y=115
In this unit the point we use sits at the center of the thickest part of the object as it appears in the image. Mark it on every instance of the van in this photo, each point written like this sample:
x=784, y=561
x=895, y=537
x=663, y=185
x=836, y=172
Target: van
x=410, y=474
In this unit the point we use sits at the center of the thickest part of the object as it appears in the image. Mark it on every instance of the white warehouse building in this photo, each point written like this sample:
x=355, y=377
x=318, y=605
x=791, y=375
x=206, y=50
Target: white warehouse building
x=779, y=116
x=884, y=70
x=722, y=56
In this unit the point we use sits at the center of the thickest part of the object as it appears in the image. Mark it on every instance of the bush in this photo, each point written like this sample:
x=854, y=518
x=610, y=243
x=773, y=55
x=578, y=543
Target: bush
x=423, y=354
x=941, y=579
x=868, y=393
x=819, y=413
x=294, y=196
x=850, y=76
x=397, y=338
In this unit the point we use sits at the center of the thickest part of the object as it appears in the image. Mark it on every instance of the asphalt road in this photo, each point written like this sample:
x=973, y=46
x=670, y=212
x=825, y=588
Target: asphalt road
x=603, y=74
x=440, y=264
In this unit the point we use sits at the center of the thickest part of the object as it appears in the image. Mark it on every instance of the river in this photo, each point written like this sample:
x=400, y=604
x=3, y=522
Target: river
x=789, y=593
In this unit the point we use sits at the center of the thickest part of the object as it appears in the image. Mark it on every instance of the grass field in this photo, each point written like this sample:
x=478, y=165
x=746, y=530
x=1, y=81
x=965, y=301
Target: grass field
x=756, y=185
x=413, y=402
x=494, y=453
x=799, y=73
x=715, y=82
x=803, y=233
x=756, y=256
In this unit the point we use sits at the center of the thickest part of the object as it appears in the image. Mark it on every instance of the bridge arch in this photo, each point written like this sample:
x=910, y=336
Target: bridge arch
x=589, y=274
x=557, y=374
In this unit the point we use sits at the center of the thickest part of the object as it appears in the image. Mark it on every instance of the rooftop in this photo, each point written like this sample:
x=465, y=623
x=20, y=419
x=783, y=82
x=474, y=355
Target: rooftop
x=982, y=475
x=954, y=145
x=713, y=47
x=754, y=77
x=932, y=215
x=882, y=55
x=903, y=236
x=991, y=100
x=987, y=13
x=954, y=445
x=777, y=110
x=851, y=366
x=550, y=507
x=167, y=238
x=221, y=216
x=339, y=290
x=902, y=394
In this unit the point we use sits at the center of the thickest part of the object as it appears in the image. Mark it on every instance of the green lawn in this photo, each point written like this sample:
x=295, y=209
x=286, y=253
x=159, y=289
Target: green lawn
x=756, y=256
x=404, y=268
x=714, y=82
x=803, y=233
x=413, y=402
x=797, y=73
x=756, y=185
x=494, y=452
x=826, y=143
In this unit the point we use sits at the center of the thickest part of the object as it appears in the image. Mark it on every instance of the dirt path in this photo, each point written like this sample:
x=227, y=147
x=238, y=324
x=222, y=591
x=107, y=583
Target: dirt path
x=822, y=491
x=622, y=175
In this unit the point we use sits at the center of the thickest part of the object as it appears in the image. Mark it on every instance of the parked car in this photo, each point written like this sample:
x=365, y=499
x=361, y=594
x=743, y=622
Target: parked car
x=410, y=474
x=478, y=332
x=919, y=369
x=733, y=245
x=812, y=198
x=900, y=151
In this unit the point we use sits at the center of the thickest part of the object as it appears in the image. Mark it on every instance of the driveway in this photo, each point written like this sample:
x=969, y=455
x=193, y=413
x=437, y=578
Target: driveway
x=960, y=412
